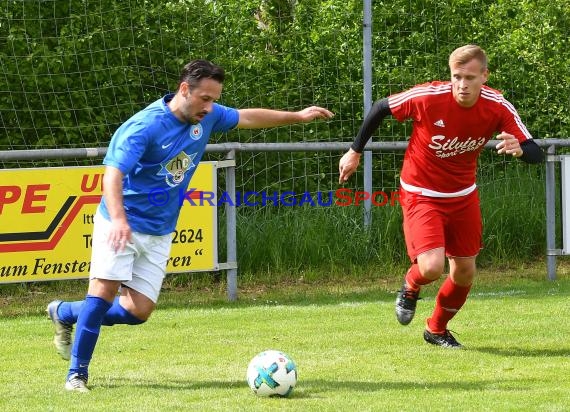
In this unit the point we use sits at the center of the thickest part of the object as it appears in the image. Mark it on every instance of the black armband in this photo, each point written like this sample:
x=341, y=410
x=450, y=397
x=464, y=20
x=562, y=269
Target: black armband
x=532, y=153
x=380, y=109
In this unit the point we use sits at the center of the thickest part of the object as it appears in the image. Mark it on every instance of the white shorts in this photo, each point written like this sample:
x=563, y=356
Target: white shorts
x=140, y=266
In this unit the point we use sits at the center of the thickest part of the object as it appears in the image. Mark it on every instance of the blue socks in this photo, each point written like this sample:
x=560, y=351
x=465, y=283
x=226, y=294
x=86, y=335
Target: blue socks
x=88, y=326
x=68, y=312
x=90, y=314
x=119, y=315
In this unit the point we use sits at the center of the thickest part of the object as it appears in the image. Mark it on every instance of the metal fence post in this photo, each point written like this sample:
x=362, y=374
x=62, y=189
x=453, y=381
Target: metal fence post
x=231, y=224
x=550, y=213
x=367, y=75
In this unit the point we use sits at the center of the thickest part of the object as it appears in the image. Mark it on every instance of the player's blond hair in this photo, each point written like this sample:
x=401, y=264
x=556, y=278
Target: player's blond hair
x=464, y=54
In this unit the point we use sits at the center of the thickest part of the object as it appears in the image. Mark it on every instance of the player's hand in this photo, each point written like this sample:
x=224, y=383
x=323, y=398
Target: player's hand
x=348, y=165
x=119, y=235
x=508, y=145
x=314, y=112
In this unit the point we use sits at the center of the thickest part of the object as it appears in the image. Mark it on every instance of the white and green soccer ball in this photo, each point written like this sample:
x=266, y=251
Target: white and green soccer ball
x=272, y=373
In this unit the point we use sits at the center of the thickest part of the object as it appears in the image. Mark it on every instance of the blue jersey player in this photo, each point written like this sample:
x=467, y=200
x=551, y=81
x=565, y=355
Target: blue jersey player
x=155, y=151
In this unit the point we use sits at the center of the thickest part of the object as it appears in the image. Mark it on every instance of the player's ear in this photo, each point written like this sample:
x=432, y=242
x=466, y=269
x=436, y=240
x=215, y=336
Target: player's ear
x=485, y=75
x=184, y=89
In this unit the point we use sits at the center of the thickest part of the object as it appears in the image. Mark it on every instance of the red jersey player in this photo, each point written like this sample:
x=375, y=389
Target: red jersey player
x=452, y=121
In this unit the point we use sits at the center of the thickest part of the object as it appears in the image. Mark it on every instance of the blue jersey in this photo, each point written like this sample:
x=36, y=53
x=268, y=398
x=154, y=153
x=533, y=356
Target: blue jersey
x=158, y=154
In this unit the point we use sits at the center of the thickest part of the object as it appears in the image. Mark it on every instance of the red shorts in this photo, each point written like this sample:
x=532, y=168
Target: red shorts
x=452, y=223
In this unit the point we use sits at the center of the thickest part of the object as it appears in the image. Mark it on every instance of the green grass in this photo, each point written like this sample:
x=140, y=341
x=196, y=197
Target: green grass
x=350, y=351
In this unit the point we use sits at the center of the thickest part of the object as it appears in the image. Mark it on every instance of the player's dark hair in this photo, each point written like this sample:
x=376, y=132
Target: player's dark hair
x=196, y=70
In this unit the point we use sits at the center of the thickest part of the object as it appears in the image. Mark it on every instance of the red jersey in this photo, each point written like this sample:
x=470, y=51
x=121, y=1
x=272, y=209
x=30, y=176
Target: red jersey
x=441, y=159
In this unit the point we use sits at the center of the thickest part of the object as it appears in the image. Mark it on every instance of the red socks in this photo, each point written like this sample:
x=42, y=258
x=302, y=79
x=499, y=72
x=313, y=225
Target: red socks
x=449, y=300
x=414, y=278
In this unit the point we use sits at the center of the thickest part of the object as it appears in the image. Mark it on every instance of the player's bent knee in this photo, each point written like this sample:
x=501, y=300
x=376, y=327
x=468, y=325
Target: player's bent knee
x=432, y=272
x=463, y=279
x=140, y=316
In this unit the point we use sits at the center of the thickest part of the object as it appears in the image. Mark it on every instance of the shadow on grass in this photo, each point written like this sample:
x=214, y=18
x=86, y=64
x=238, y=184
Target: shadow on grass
x=311, y=388
x=524, y=352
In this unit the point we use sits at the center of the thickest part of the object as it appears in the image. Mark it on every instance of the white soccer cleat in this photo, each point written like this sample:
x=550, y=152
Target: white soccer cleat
x=62, y=339
x=77, y=383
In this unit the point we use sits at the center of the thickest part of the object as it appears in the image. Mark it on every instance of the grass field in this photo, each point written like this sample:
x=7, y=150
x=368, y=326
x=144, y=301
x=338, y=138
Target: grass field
x=351, y=353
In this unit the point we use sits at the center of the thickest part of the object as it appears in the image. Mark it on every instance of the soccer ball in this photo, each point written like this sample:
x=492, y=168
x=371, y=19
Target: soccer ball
x=272, y=373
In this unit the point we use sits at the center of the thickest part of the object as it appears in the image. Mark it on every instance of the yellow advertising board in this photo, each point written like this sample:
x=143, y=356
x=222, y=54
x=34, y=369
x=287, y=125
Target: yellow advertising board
x=46, y=222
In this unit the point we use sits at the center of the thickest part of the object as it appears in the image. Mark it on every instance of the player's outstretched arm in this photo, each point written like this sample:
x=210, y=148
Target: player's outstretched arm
x=351, y=159
x=528, y=151
x=265, y=118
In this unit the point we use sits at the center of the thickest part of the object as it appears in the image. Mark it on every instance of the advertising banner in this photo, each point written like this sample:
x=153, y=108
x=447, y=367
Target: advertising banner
x=46, y=223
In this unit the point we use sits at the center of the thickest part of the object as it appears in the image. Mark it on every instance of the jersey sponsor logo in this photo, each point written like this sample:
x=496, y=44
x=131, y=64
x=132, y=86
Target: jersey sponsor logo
x=447, y=147
x=175, y=169
x=440, y=123
x=166, y=146
x=196, y=131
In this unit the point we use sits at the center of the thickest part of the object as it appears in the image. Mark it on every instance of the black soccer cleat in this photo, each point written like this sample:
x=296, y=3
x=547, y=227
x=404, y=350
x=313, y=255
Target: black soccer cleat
x=406, y=305
x=445, y=340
